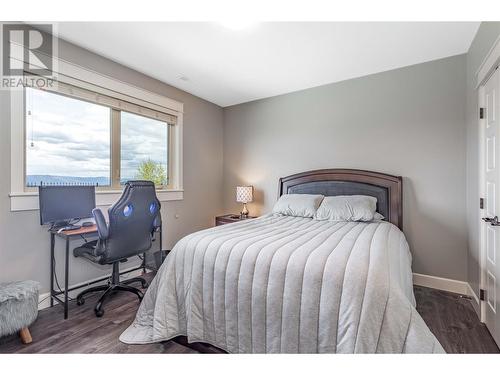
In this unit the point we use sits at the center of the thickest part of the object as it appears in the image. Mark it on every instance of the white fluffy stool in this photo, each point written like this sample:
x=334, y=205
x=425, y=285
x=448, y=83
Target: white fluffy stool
x=18, y=308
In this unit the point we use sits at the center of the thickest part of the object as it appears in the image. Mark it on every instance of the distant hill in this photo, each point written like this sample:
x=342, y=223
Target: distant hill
x=36, y=180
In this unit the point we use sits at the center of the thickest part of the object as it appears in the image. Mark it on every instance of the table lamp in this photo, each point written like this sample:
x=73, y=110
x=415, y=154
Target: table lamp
x=244, y=194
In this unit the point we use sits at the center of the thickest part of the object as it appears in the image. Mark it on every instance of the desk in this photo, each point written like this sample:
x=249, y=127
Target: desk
x=67, y=235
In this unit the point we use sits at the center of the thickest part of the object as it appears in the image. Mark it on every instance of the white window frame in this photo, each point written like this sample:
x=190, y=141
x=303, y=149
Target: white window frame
x=21, y=199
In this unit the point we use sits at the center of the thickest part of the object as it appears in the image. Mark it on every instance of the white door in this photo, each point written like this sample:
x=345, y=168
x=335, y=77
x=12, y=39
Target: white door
x=491, y=224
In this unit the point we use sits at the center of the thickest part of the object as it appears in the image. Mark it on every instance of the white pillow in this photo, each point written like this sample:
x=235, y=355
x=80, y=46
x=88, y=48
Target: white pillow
x=378, y=216
x=347, y=208
x=303, y=205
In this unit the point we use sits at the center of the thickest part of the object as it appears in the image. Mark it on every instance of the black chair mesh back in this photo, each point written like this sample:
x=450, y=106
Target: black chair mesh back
x=131, y=221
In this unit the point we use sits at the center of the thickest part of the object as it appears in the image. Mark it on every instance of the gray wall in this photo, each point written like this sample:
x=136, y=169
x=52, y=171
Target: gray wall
x=24, y=245
x=408, y=122
x=486, y=35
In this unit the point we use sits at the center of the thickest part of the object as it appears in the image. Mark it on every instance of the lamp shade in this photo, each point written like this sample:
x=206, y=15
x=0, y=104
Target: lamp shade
x=244, y=194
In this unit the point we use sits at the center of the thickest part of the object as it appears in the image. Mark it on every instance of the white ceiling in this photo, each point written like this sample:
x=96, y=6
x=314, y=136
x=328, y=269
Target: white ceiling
x=228, y=66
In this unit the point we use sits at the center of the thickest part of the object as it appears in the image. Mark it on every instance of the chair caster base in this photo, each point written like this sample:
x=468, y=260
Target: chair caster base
x=144, y=283
x=114, y=286
x=99, y=313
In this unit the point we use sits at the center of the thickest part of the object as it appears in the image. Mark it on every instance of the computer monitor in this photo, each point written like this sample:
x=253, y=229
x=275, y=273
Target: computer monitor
x=61, y=204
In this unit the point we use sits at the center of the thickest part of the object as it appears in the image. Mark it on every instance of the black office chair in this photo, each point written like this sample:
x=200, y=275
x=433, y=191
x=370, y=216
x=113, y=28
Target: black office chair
x=133, y=221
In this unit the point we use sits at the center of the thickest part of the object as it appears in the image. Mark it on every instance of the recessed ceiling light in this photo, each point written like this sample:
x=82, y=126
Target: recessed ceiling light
x=235, y=24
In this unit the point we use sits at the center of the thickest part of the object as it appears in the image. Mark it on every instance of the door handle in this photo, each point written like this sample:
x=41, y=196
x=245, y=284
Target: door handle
x=492, y=220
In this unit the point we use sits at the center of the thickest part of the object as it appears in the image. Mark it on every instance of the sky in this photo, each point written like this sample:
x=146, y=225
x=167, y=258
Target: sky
x=69, y=137
x=142, y=139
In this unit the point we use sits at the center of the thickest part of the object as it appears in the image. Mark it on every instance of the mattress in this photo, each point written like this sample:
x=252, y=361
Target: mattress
x=281, y=284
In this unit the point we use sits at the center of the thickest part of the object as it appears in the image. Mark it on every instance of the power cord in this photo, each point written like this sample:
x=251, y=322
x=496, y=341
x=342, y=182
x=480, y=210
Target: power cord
x=40, y=302
x=57, y=281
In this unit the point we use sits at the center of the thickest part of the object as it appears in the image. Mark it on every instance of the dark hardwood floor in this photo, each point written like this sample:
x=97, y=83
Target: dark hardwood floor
x=82, y=332
x=450, y=317
x=454, y=322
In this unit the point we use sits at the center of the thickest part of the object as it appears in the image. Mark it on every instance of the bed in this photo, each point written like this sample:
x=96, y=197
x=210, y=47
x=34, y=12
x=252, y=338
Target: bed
x=282, y=284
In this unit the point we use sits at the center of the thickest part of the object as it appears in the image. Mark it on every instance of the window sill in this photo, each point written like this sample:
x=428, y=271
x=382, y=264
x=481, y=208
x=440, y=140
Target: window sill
x=28, y=201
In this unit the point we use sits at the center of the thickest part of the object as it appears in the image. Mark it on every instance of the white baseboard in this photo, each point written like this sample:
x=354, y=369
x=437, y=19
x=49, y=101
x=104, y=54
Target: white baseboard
x=441, y=283
x=44, y=299
x=449, y=285
x=474, y=300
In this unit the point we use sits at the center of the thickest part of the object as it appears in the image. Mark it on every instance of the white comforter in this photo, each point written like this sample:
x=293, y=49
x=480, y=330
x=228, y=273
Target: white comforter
x=281, y=284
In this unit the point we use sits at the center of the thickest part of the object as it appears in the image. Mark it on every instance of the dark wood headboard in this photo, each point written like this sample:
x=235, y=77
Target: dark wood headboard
x=386, y=188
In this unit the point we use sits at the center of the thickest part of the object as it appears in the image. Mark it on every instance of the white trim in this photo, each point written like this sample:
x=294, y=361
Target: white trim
x=27, y=201
x=17, y=140
x=441, y=283
x=482, y=193
x=44, y=299
x=71, y=73
x=474, y=300
x=176, y=153
x=449, y=285
x=108, y=98
x=490, y=62
x=77, y=75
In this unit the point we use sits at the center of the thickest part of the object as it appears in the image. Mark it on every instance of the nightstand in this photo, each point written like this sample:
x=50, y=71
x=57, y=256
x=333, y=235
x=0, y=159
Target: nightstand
x=231, y=218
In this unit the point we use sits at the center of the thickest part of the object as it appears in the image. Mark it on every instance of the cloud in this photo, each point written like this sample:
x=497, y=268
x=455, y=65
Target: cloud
x=72, y=137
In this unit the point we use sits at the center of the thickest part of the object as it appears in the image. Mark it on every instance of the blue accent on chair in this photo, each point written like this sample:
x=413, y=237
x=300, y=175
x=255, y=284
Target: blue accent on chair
x=152, y=208
x=127, y=210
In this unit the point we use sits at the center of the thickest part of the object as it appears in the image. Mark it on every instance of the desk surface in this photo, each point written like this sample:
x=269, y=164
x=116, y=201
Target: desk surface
x=78, y=232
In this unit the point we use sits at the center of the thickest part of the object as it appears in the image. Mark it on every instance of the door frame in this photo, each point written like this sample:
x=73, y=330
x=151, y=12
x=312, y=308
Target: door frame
x=488, y=66
x=482, y=190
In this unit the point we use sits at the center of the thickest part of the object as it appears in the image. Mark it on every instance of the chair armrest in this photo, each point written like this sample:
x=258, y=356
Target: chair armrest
x=102, y=227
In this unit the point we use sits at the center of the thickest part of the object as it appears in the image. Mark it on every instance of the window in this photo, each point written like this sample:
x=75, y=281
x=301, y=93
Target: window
x=78, y=137
x=82, y=130
x=144, y=149
x=68, y=141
